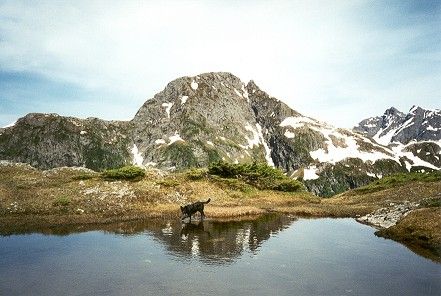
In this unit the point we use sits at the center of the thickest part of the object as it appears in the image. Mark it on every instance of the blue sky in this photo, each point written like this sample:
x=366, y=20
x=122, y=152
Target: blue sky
x=337, y=61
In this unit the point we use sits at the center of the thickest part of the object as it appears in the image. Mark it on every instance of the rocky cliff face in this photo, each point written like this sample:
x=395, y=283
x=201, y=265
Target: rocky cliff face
x=198, y=120
x=49, y=140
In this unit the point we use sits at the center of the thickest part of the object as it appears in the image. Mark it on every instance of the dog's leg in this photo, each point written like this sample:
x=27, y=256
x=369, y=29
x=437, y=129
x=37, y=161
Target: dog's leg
x=202, y=214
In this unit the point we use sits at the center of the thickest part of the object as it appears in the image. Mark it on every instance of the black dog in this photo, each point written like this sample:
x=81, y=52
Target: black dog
x=191, y=209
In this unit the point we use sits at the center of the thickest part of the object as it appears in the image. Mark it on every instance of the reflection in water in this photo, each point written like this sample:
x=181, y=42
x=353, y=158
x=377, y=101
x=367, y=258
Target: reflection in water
x=210, y=241
x=309, y=257
x=213, y=242
x=217, y=242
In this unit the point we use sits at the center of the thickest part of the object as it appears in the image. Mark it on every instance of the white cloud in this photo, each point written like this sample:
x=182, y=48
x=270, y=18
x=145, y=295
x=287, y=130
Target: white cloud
x=316, y=56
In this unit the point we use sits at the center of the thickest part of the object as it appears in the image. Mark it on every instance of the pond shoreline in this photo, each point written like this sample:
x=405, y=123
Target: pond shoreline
x=32, y=199
x=259, y=257
x=25, y=224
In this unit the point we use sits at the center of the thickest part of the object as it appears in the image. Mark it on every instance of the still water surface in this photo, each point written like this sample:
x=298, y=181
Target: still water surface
x=275, y=255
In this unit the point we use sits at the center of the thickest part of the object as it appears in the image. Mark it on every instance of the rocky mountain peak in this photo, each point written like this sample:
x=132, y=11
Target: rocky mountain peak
x=206, y=118
x=393, y=111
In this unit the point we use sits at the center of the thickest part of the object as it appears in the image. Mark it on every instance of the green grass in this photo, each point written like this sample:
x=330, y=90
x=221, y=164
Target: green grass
x=83, y=176
x=233, y=184
x=196, y=174
x=431, y=203
x=398, y=180
x=169, y=182
x=124, y=173
x=62, y=201
x=259, y=175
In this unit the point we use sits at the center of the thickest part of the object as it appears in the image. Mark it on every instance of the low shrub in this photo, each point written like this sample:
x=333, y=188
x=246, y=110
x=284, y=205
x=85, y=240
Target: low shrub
x=196, y=174
x=431, y=203
x=260, y=175
x=168, y=182
x=124, y=173
x=233, y=184
x=288, y=185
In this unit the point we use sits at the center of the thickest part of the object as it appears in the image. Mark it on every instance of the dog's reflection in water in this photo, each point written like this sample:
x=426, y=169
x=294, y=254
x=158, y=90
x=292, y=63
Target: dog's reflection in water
x=192, y=228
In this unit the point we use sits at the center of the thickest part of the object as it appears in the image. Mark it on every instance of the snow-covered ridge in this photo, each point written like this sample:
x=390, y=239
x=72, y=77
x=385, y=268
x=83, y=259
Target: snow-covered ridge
x=341, y=144
x=394, y=126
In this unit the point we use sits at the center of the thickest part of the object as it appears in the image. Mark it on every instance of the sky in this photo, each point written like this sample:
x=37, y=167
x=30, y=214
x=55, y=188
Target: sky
x=337, y=61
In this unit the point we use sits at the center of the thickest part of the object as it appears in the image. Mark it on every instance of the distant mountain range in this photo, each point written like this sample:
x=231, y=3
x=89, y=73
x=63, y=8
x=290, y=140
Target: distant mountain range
x=397, y=127
x=210, y=117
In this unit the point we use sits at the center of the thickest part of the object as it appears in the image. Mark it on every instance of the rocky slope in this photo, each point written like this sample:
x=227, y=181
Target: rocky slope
x=198, y=120
x=49, y=140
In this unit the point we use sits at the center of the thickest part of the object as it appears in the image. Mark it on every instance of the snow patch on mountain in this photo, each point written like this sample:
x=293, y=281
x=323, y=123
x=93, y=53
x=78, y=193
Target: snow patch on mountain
x=167, y=107
x=384, y=139
x=137, y=156
x=296, y=122
x=245, y=93
x=310, y=173
x=238, y=93
x=340, y=146
x=289, y=134
x=255, y=140
x=268, y=158
x=399, y=150
x=176, y=137
x=184, y=99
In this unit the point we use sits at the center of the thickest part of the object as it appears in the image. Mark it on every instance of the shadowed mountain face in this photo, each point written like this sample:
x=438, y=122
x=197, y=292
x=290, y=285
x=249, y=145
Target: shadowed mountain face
x=199, y=120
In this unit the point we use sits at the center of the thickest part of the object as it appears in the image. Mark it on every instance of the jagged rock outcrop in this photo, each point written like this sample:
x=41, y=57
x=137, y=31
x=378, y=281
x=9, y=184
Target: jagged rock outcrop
x=199, y=120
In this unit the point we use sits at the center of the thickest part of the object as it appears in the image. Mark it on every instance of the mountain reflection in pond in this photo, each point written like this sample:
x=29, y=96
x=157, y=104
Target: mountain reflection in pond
x=216, y=242
x=274, y=255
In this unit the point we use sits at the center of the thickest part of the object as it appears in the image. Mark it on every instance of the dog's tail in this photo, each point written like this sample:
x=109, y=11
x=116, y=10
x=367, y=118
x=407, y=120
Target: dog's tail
x=209, y=199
